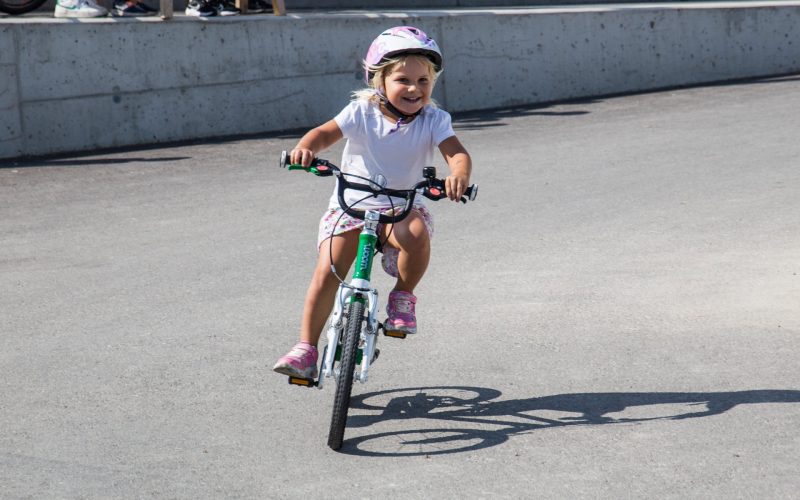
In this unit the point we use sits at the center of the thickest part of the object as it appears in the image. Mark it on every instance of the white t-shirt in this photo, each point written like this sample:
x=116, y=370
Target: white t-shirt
x=398, y=156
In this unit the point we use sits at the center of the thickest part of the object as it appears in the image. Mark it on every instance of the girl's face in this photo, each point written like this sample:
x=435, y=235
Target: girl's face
x=408, y=86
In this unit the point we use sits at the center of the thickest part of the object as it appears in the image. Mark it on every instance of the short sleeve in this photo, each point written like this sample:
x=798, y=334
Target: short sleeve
x=442, y=127
x=348, y=118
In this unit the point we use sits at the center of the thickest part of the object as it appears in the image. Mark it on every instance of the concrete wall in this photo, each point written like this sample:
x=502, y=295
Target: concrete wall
x=81, y=85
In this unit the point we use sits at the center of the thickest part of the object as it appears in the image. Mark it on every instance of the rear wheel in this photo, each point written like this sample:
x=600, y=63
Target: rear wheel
x=344, y=382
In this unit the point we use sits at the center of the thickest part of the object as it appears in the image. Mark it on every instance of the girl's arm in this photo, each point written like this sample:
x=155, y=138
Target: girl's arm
x=460, y=165
x=316, y=140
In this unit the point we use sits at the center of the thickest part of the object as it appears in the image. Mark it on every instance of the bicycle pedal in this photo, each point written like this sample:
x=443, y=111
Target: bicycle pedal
x=394, y=334
x=305, y=382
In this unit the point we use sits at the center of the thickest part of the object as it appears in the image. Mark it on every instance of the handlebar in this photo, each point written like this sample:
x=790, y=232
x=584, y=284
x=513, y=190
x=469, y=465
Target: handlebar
x=431, y=187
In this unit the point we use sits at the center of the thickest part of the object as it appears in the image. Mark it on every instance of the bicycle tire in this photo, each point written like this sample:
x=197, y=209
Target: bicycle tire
x=344, y=382
x=16, y=7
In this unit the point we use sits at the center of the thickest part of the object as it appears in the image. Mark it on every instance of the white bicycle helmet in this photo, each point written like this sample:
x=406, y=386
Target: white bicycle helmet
x=402, y=40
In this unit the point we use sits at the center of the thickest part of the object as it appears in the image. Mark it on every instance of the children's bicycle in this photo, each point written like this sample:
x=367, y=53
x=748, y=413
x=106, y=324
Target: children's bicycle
x=353, y=328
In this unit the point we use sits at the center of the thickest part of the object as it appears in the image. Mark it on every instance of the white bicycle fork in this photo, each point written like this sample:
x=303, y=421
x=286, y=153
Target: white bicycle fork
x=369, y=334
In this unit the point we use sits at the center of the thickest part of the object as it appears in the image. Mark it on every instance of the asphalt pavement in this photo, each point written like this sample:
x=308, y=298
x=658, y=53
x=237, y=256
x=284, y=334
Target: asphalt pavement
x=616, y=316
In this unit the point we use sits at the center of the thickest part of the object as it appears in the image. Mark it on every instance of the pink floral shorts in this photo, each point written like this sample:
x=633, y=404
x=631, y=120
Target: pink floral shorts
x=336, y=221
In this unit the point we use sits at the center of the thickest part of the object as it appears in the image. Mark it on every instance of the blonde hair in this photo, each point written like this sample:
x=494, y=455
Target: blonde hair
x=384, y=69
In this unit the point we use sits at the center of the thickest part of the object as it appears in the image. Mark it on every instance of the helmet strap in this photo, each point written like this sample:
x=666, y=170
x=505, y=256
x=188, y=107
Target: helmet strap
x=401, y=117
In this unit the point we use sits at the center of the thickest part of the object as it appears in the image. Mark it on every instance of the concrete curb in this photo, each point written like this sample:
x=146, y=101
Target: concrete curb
x=68, y=85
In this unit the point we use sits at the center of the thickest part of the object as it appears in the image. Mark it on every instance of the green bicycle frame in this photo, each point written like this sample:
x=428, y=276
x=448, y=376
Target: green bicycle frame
x=367, y=241
x=366, y=252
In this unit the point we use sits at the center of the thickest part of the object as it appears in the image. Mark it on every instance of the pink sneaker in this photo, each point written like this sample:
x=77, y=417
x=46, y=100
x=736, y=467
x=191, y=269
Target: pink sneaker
x=400, y=310
x=300, y=362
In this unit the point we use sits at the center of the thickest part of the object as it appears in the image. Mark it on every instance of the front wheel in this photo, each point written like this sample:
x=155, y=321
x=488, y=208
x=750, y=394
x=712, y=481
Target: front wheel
x=347, y=367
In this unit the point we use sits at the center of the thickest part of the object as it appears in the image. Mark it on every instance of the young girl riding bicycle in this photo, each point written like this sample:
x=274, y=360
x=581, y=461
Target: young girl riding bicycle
x=392, y=129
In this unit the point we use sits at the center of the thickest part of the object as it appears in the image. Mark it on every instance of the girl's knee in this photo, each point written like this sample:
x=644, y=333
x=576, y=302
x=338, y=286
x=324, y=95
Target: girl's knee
x=414, y=242
x=413, y=235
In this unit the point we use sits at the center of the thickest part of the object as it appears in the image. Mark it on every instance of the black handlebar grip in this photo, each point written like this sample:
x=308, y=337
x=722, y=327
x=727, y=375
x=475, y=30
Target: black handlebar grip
x=472, y=192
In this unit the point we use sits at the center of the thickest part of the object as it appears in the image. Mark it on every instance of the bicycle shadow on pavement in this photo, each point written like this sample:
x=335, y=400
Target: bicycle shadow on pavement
x=480, y=406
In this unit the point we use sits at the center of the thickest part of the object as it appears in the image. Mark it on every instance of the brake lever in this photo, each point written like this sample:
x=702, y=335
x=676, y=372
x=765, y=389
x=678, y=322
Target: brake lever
x=436, y=191
x=321, y=169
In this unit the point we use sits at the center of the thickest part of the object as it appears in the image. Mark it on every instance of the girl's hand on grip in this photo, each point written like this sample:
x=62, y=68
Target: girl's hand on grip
x=456, y=186
x=301, y=156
